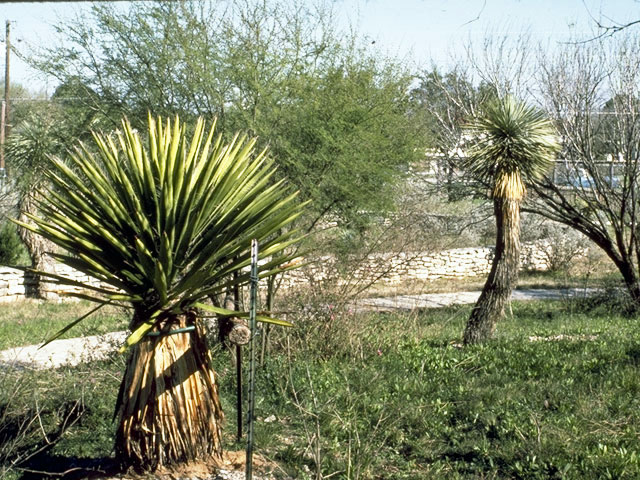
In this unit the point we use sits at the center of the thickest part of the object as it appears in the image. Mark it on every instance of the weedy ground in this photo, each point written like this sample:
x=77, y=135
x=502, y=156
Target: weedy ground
x=30, y=322
x=556, y=394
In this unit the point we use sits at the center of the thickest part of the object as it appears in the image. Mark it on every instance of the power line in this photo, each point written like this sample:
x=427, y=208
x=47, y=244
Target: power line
x=57, y=99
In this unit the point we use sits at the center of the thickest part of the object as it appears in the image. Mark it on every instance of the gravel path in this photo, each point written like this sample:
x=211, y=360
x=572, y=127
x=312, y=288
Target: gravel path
x=59, y=353
x=439, y=300
x=77, y=350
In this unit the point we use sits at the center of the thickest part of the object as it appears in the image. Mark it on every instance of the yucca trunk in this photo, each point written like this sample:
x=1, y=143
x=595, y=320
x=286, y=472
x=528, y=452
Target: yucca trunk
x=38, y=248
x=503, y=276
x=169, y=410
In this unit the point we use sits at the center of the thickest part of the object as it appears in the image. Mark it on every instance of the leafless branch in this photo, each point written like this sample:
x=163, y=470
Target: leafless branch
x=484, y=5
x=606, y=29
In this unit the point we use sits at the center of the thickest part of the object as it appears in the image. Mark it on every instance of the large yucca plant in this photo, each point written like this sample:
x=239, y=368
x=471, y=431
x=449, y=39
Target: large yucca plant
x=511, y=144
x=165, y=222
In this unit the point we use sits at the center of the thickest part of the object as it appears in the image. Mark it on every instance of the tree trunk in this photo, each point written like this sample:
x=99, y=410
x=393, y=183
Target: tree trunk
x=502, y=277
x=37, y=248
x=168, y=406
x=632, y=283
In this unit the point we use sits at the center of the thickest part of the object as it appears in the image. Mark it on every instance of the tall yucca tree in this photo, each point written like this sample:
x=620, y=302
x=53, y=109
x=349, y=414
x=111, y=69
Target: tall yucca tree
x=164, y=223
x=512, y=144
x=31, y=143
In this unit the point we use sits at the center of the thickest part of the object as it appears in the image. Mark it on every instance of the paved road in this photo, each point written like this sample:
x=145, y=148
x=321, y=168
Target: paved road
x=77, y=350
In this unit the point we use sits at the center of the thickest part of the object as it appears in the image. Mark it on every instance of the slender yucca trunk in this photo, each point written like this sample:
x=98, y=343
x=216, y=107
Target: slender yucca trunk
x=168, y=406
x=37, y=247
x=503, y=275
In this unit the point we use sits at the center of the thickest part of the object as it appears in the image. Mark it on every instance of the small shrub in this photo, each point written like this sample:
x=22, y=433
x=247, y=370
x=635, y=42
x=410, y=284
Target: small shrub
x=11, y=247
x=611, y=298
x=560, y=245
x=564, y=245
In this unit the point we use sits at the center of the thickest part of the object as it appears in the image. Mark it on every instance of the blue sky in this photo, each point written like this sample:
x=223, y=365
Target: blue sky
x=420, y=31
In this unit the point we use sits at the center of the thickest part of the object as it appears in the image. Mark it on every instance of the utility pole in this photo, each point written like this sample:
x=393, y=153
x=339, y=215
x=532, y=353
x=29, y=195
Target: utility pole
x=4, y=119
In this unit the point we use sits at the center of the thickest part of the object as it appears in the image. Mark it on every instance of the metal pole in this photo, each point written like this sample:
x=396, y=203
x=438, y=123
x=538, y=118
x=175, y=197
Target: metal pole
x=239, y=385
x=239, y=381
x=252, y=357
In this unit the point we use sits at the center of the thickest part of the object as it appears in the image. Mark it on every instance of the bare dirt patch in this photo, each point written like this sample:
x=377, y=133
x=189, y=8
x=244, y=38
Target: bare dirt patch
x=232, y=467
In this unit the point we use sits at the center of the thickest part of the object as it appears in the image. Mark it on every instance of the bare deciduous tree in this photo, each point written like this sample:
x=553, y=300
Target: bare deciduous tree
x=592, y=91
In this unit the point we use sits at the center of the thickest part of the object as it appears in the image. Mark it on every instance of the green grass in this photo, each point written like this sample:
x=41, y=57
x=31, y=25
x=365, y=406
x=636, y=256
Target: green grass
x=31, y=322
x=406, y=402
x=393, y=396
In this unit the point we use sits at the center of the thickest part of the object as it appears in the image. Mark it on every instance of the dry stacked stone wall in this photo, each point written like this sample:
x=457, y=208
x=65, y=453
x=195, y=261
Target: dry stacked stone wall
x=402, y=267
x=16, y=284
x=391, y=269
